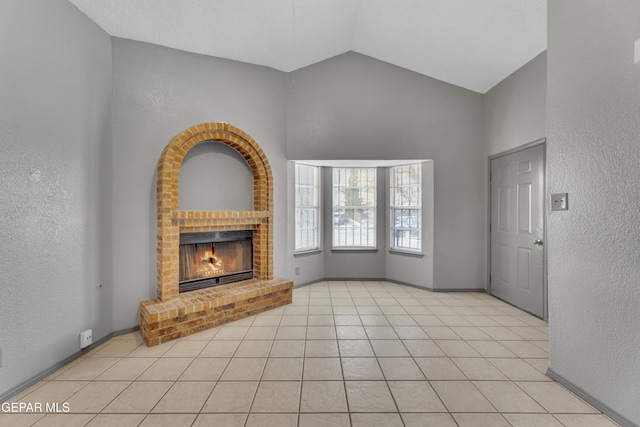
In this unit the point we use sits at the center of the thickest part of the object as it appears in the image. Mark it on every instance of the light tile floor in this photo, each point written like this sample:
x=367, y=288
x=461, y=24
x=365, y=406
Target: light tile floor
x=343, y=354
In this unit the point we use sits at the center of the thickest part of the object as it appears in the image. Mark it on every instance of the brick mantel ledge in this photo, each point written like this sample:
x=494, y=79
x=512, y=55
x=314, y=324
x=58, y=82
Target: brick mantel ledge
x=220, y=214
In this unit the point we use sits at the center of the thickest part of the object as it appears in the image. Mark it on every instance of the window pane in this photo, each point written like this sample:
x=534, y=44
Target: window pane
x=406, y=207
x=307, y=207
x=354, y=202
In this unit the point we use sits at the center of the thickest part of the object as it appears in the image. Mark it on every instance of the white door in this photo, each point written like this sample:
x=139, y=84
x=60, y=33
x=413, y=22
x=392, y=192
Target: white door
x=517, y=229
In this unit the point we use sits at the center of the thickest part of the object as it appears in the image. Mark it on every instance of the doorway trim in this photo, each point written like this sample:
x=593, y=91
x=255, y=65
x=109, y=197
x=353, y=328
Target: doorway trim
x=537, y=142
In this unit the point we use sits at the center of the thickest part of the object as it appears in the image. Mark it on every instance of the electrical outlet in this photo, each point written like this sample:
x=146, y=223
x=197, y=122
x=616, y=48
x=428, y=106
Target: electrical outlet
x=297, y=271
x=86, y=338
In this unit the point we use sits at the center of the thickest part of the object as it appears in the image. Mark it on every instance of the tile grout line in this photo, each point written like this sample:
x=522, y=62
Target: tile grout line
x=526, y=354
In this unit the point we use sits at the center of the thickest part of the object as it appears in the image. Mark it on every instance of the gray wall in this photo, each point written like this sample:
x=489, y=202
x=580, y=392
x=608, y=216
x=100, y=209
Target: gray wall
x=55, y=168
x=215, y=177
x=515, y=114
x=515, y=109
x=157, y=93
x=593, y=151
x=355, y=107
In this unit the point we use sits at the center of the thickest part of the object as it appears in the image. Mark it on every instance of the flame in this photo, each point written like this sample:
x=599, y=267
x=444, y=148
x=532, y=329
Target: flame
x=210, y=264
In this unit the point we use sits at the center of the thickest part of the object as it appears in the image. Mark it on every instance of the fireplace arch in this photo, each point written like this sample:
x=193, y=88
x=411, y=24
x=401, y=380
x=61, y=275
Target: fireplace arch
x=173, y=314
x=172, y=221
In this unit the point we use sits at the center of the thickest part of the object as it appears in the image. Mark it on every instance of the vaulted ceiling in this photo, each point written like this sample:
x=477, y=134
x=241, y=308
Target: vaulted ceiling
x=469, y=43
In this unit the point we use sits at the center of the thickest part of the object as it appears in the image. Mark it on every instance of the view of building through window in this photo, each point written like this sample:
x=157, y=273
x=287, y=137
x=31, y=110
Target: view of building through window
x=406, y=207
x=354, y=207
x=354, y=204
x=307, y=214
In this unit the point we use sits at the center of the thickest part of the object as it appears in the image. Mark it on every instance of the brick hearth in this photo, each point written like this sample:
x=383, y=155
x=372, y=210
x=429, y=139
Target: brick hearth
x=172, y=314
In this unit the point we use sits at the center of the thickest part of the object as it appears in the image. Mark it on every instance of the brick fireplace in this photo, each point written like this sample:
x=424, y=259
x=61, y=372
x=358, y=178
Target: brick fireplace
x=173, y=314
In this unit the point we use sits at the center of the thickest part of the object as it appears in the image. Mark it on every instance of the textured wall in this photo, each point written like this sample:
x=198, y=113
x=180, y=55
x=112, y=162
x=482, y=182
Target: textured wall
x=55, y=124
x=515, y=109
x=355, y=107
x=515, y=114
x=594, y=154
x=209, y=168
x=158, y=93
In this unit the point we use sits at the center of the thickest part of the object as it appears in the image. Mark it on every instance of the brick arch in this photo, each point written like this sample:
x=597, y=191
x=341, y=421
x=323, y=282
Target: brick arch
x=168, y=173
x=172, y=221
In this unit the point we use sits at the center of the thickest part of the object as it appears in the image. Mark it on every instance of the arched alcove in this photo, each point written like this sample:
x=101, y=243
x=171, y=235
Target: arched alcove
x=214, y=176
x=172, y=221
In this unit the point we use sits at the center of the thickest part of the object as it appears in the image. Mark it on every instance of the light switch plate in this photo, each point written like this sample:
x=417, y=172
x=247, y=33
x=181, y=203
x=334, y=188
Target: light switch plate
x=560, y=201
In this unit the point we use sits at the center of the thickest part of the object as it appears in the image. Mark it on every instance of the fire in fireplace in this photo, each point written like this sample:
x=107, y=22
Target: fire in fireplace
x=214, y=258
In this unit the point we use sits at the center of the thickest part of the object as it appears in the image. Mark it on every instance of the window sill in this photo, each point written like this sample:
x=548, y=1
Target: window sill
x=308, y=252
x=354, y=250
x=406, y=253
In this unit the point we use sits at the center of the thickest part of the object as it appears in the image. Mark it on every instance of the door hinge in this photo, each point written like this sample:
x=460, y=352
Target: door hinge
x=489, y=278
x=489, y=228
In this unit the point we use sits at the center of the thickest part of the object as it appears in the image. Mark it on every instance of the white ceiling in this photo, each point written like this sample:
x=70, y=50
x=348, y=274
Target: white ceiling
x=469, y=43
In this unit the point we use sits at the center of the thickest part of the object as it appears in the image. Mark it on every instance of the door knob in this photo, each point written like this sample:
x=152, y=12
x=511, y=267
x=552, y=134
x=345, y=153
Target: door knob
x=537, y=242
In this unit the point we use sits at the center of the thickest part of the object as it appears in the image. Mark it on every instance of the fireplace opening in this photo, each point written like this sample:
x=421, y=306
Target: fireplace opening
x=214, y=258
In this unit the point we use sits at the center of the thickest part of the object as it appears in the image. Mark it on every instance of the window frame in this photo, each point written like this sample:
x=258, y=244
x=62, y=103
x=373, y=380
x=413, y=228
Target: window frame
x=316, y=207
x=372, y=223
x=413, y=210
